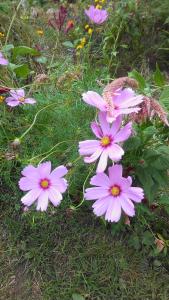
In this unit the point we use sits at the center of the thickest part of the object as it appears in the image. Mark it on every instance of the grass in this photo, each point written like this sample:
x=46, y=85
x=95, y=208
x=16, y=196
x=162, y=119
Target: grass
x=53, y=255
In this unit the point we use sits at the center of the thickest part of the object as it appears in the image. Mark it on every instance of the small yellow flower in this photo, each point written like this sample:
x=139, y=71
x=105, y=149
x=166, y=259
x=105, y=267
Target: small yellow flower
x=40, y=32
x=98, y=6
x=86, y=26
x=96, y=1
x=102, y=1
x=2, y=99
x=83, y=41
x=1, y=34
x=79, y=47
x=90, y=31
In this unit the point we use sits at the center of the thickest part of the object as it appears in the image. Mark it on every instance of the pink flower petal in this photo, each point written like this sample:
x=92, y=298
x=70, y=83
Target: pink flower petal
x=115, y=152
x=60, y=183
x=100, y=179
x=124, y=133
x=59, y=172
x=127, y=205
x=103, y=123
x=113, y=213
x=30, y=101
x=26, y=184
x=115, y=172
x=4, y=62
x=94, y=99
x=44, y=169
x=31, y=197
x=135, y=193
x=96, y=130
x=102, y=162
x=100, y=206
x=125, y=111
x=31, y=172
x=55, y=196
x=96, y=193
x=94, y=156
x=42, y=202
x=12, y=102
x=124, y=95
x=115, y=126
x=88, y=147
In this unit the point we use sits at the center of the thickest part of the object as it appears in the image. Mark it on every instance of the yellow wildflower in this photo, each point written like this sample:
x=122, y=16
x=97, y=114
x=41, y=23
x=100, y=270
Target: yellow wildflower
x=86, y=26
x=98, y=6
x=83, y=41
x=96, y=1
x=90, y=31
x=79, y=47
x=1, y=34
x=2, y=99
x=40, y=32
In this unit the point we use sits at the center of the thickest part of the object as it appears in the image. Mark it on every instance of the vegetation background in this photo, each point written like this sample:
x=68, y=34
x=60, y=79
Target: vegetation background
x=68, y=253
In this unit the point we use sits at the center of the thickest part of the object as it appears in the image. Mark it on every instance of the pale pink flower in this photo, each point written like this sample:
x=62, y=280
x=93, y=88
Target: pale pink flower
x=123, y=102
x=113, y=194
x=43, y=185
x=17, y=97
x=3, y=60
x=97, y=16
x=107, y=144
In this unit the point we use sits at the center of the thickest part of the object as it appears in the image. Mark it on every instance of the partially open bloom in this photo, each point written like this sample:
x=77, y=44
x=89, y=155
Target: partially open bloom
x=18, y=98
x=124, y=101
x=113, y=194
x=107, y=143
x=97, y=16
x=43, y=185
x=3, y=61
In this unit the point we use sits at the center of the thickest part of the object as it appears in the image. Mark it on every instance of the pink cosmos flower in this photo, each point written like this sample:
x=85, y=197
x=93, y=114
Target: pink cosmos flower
x=3, y=61
x=113, y=194
x=43, y=185
x=107, y=145
x=124, y=101
x=18, y=98
x=97, y=16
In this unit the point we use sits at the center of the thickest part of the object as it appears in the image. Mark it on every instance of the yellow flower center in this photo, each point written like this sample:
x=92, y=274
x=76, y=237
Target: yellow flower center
x=105, y=141
x=40, y=32
x=2, y=98
x=115, y=191
x=44, y=183
x=21, y=99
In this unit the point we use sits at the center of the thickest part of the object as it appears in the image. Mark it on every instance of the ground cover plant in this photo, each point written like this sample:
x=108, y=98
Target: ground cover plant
x=84, y=150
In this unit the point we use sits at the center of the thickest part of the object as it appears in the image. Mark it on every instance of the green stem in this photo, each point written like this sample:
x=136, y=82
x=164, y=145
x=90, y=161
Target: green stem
x=13, y=18
x=84, y=184
x=34, y=120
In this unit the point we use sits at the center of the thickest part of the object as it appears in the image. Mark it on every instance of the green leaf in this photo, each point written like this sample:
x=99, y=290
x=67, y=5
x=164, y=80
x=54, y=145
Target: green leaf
x=148, y=238
x=68, y=44
x=164, y=97
x=77, y=297
x=144, y=176
x=7, y=48
x=132, y=143
x=164, y=200
x=159, y=78
x=23, y=50
x=22, y=71
x=136, y=75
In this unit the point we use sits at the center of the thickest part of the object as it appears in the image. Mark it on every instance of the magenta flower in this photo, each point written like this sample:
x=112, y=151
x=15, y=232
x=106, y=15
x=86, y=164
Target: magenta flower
x=43, y=185
x=124, y=102
x=107, y=145
x=18, y=98
x=3, y=61
x=97, y=16
x=113, y=194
